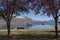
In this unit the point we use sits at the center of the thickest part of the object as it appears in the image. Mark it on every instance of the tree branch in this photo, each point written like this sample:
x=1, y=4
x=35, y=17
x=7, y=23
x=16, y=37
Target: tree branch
x=3, y=16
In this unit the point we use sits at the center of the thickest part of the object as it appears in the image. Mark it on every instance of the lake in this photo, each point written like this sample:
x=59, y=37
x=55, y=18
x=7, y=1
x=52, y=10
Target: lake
x=40, y=27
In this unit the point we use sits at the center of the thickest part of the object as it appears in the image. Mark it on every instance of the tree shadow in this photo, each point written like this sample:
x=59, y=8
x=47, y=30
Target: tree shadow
x=29, y=37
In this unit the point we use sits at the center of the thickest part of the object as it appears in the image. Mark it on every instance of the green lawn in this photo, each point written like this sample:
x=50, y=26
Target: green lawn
x=28, y=35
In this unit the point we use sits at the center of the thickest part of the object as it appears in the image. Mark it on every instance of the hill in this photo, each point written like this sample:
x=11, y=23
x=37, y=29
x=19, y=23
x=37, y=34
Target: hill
x=18, y=21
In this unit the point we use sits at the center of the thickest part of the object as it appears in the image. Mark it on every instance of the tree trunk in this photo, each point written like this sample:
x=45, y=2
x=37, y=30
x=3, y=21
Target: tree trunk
x=8, y=28
x=56, y=28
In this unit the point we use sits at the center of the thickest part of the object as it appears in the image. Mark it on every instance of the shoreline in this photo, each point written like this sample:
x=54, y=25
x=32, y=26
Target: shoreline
x=29, y=30
x=45, y=29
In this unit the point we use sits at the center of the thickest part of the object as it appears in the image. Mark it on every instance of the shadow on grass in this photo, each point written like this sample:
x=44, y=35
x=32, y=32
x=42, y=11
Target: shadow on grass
x=29, y=37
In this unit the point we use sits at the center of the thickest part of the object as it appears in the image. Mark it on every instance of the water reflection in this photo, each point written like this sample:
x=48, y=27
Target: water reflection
x=39, y=27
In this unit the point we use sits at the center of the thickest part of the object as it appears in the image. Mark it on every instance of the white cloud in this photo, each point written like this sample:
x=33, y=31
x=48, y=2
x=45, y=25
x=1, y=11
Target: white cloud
x=19, y=17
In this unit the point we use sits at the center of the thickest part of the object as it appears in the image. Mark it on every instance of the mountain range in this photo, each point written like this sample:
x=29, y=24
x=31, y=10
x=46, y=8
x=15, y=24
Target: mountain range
x=17, y=21
x=21, y=21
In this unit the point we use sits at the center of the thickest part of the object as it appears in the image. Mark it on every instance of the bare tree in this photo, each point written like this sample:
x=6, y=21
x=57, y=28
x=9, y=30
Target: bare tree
x=49, y=7
x=8, y=8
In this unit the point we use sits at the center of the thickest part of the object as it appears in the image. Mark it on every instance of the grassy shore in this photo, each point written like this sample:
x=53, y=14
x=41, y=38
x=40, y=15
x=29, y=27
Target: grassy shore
x=29, y=35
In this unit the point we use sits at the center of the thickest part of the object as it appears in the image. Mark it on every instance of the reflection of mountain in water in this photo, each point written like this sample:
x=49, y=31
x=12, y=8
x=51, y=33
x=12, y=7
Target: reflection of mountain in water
x=41, y=27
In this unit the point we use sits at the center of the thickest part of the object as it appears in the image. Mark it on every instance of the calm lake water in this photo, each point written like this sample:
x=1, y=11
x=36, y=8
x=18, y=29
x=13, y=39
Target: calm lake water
x=39, y=27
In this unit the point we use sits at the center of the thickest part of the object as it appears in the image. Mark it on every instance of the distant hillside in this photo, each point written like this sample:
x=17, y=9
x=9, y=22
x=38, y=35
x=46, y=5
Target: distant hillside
x=21, y=21
x=49, y=22
x=18, y=21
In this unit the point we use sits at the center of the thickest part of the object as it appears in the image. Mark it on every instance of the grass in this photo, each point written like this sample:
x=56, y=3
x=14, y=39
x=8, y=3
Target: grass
x=29, y=35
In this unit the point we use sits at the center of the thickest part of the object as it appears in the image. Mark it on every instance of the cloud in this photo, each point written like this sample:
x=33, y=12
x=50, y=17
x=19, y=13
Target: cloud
x=19, y=17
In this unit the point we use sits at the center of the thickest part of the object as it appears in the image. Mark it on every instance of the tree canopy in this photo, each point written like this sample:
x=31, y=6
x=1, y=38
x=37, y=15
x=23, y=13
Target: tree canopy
x=8, y=8
x=47, y=6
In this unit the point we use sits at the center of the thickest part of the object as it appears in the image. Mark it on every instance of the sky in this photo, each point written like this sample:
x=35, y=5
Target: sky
x=38, y=16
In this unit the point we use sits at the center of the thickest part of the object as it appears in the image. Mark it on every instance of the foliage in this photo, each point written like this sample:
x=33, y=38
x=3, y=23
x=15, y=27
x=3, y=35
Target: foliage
x=8, y=8
x=49, y=7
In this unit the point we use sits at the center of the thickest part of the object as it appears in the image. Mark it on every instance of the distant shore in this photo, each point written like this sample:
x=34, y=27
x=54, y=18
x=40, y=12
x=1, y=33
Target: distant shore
x=48, y=29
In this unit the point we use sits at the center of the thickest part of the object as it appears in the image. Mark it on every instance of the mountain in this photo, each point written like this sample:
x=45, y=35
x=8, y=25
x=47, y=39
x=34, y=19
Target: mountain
x=50, y=22
x=37, y=22
x=18, y=21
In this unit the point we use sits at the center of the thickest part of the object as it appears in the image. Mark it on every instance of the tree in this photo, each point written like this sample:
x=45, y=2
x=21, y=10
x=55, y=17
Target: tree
x=49, y=7
x=8, y=8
